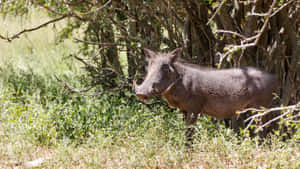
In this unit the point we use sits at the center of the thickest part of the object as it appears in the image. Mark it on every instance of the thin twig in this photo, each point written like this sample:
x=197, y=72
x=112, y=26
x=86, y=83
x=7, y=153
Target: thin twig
x=274, y=13
x=281, y=7
x=70, y=13
x=17, y=35
x=97, y=53
x=266, y=22
x=274, y=119
x=264, y=112
x=97, y=43
x=257, y=14
x=246, y=42
x=94, y=67
x=84, y=62
x=231, y=32
x=233, y=48
x=218, y=9
x=98, y=9
x=295, y=121
x=249, y=124
x=293, y=117
x=83, y=92
x=175, y=14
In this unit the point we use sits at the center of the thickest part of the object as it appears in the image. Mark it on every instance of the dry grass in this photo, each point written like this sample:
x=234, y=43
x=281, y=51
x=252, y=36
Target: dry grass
x=106, y=153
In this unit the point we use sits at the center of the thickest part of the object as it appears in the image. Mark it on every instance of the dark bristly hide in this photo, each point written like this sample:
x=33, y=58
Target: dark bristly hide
x=195, y=89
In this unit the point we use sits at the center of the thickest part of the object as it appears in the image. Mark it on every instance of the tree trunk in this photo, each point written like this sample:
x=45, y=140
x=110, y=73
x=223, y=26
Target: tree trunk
x=111, y=53
x=187, y=39
x=197, y=12
x=132, y=30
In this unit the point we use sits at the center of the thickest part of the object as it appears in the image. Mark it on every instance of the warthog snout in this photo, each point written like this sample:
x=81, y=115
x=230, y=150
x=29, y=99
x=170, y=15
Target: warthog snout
x=140, y=92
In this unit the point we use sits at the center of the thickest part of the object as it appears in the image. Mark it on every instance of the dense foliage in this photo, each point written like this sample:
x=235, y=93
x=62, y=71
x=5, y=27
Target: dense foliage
x=228, y=33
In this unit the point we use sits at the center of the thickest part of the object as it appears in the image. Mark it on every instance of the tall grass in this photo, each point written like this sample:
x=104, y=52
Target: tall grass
x=40, y=119
x=36, y=51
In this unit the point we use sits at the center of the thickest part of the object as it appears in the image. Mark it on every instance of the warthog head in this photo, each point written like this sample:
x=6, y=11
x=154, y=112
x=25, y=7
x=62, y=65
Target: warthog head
x=161, y=74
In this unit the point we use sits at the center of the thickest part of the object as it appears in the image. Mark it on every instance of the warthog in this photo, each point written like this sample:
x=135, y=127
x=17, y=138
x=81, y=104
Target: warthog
x=195, y=89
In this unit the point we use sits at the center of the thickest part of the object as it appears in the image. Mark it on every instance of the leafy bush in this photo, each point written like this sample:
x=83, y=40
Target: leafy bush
x=49, y=112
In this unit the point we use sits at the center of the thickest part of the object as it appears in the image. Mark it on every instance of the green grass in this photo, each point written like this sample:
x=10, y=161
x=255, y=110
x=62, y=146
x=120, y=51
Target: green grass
x=39, y=119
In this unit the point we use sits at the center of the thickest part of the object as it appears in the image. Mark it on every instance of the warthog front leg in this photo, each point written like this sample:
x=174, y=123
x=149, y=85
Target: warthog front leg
x=190, y=119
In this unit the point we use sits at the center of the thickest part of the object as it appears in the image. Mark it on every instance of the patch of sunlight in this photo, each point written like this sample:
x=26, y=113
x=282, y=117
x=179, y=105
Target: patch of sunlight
x=38, y=50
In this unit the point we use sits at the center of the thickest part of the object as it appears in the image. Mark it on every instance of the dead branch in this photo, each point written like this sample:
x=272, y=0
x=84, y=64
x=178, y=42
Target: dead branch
x=17, y=35
x=266, y=111
x=246, y=43
x=274, y=119
x=263, y=112
x=233, y=48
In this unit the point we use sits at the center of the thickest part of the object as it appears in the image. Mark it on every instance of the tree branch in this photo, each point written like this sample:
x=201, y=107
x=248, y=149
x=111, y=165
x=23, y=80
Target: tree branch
x=269, y=13
x=174, y=13
x=96, y=43
x=263, y=112
x=246, y=42
x=83, y=92
x=70, y=12
x=17, y=35
x=98, y=9
x=274, y=13
x=218, y=9
x=231, y=32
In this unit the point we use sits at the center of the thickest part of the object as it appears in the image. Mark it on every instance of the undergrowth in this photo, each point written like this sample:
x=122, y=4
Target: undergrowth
x=41, y=119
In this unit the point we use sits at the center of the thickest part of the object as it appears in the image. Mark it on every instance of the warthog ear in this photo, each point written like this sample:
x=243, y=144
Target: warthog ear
x=175, y=54
x=149, y=53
